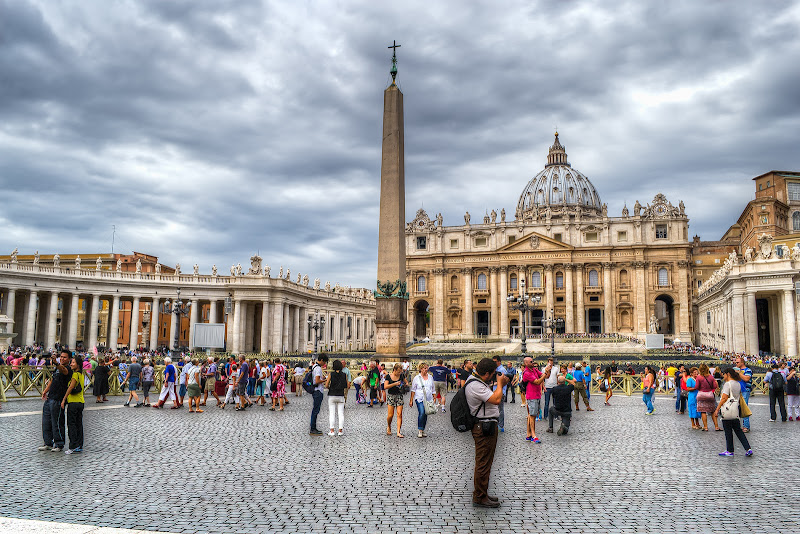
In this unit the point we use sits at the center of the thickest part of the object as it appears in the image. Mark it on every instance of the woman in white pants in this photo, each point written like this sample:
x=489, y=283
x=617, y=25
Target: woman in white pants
x=168, y=389
x=230, y=395
x=336, y=384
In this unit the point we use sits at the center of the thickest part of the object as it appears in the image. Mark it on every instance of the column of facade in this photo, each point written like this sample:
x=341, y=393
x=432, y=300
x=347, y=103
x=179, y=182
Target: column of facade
x=94, y=312
x=296, y=330
x=194, y=312
x=213, y=311
x=229, y=317
x=439, y=303
x=277, y=327
x=503, y=301
x=52, y=322
x=751, y=325
x=30, y=319
x=738, y=318
x=155, y=322
x=133, y=341
x=468, y=301
x=640, y=289
x=494, y=310
x=776, y=319
x=608, y=299
x=9, y=308
x=683, y=300
x=303, y=326
x=264, y=348
x=72, y=332
x=113, y=323
x=42, y=311
x=550, y=311
x=579, y=311
x=569, y=325
x=236, y=337
x=174, y=326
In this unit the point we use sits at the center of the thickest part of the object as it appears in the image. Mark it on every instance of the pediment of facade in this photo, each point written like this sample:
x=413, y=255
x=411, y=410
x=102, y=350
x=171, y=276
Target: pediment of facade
x=534, y=242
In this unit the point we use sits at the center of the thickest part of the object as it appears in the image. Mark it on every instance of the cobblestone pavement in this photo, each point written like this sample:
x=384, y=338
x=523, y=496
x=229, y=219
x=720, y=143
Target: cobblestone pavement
x=259, y=471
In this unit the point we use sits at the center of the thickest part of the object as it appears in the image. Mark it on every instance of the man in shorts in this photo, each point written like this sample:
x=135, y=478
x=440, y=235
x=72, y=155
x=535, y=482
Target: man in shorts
x=210, y=373
x=439, y=373
x=533, y=378
x=241, y=383
x=132, y=379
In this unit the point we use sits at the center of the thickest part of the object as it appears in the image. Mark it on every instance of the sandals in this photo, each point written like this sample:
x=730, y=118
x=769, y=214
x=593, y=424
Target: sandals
x=388, y=431
x=399, y=435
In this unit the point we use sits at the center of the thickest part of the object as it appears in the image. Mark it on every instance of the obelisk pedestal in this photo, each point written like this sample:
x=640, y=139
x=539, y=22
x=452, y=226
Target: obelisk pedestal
x=391, y=294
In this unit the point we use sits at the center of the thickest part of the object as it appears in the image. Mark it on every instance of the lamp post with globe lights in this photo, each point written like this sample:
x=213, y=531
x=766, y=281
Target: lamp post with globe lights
x=317, y=324
x=179, y=309
x=523, y=303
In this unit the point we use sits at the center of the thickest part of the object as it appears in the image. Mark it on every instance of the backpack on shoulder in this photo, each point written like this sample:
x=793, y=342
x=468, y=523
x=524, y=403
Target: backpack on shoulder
x=460, y=416
x=308, y=380
x=777, y=382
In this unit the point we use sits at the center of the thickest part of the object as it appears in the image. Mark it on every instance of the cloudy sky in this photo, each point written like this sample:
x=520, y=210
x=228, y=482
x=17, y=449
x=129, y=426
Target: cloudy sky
x=207, y=131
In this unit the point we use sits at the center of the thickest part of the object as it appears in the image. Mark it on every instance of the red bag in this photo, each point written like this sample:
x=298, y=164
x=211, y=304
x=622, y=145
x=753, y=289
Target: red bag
x=220, y=388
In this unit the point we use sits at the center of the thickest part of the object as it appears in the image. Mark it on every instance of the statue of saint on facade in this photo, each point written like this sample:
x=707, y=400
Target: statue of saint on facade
x=158, y=268
x=78, y=263
x=494, y=216
x=466, y=218
x=14, y=255
x=139, y=266
x=98, y=264
x=653, y=324
x=57, y=260
x=196, y=269
x=119, y=265
x=214, y=270
x=36, y=258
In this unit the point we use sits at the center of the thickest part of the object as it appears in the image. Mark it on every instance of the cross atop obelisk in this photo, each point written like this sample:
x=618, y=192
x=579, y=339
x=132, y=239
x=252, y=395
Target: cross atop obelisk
x=391, y=293
x=393, y=70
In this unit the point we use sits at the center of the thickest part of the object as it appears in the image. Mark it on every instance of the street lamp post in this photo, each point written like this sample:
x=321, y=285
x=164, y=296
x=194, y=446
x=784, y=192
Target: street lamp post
x=523, y=303
x=552, y=323
x=317, y=323
x=179, y=309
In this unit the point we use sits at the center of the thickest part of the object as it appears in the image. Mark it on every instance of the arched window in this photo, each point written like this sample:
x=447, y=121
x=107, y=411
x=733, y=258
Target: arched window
x=594, y=280
x=421, y=283
x=559, y=280
x=796, y=220
x=536, y=279
x=454, y=283
x=663, y=277
x=481, y=281
x=623, y=278
x=513, y=281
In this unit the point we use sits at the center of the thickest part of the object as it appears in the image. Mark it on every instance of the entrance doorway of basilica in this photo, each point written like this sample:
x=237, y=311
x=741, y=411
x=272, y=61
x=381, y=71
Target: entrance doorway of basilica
x=594, y=321
x=421, y=319
x=514, y=329
x=535, y=326
x=665, y=314
x=762, y=315
x=482, y=323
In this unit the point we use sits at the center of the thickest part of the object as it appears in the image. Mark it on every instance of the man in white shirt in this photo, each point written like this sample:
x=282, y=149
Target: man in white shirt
x=187, y=365
x=550, y=381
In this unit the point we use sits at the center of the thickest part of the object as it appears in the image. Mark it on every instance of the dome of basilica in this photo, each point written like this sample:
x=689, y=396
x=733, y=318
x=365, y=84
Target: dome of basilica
x=558, y=187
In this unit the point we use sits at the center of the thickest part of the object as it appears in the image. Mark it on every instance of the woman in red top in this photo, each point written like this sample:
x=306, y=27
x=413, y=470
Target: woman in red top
x=706, y=399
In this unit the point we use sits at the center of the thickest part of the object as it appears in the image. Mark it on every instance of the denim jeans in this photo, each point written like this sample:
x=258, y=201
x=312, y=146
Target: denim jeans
x=502, y=419
x=746, y=420
x=317, y=395
x=53, y=420
x=647, y=399
x=547, y=394
x=422, y=417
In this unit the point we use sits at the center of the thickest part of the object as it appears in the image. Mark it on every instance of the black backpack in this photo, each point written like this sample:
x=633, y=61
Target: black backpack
x=777, y=382
x=460, y=416
x=308, y=380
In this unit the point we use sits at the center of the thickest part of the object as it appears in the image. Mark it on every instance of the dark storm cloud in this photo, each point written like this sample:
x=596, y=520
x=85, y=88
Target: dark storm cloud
x=208, y=131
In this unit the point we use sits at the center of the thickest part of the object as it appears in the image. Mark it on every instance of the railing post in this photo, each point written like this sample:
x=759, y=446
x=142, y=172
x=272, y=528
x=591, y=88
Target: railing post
x=628, y=385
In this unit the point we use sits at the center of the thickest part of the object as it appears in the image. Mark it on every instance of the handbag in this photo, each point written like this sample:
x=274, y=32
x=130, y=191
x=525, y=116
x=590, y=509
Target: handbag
x=430, y=409
x=744, y=409
x=730, y=410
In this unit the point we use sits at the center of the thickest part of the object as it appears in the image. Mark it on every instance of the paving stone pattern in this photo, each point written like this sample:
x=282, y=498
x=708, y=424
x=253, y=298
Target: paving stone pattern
x=259, y=471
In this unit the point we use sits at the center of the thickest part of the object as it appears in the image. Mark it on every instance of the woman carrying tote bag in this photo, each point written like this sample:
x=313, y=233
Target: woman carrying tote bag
x=729, y=409
x=422, y=393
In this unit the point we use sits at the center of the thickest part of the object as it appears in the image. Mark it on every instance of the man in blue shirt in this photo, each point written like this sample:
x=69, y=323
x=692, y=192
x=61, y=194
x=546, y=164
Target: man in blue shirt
x=501, y=370
x=746, y=375
x=439, y=373
x=587, y=379
x=580, y=387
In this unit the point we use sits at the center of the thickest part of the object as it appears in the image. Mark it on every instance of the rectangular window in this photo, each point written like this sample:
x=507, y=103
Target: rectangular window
x=594, y=299
x=698, y=262
x=708, y=317
x=481, y=301
x=794, y=190
x=559, y=299
x=764, y=219
x=454, y=243
x=699, y=284
x=480, y=241
x=716, y=260
x=511, y=239
x=557, y=237
x=622, y=237
x=661, y=231
x=513, y=283
x=591, y=236
x=422, y=242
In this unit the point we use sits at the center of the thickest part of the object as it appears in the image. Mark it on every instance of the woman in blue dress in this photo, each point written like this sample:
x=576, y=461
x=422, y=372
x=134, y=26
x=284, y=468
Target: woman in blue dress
x=691, y=387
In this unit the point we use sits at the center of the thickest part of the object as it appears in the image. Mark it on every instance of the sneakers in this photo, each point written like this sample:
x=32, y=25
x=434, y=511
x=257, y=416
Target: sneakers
x=419, y=433
x=561, y=431
x=649, y=413
x=443, y=410
x=68, y=451
x=749, y=453
x=772, y=420
x=529, y=438
x=790, y=419
x=127, y=404
x=315, y=432
x=331, y=433
x=549, y=430
x=77, y=449
x=341, y=432
x=56, y=449
x=44, y=448
x=536, y=440
x=726, y=453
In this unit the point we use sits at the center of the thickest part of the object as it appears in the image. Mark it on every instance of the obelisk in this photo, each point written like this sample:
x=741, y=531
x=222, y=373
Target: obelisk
x=391, y=294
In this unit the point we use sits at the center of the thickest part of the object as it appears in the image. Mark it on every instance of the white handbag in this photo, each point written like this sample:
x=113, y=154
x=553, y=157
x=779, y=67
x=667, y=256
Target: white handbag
x=730, y=410
x=430, y=409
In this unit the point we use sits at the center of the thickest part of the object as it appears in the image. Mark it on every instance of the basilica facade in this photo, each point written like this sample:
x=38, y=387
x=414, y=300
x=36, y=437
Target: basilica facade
x=626, y=274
